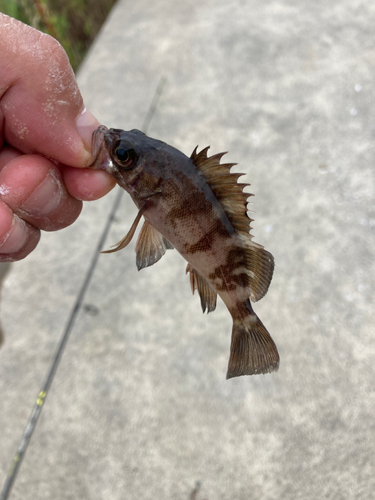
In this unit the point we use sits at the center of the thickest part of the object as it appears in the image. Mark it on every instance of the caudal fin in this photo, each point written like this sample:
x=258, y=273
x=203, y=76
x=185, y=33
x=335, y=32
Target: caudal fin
x=252, y=349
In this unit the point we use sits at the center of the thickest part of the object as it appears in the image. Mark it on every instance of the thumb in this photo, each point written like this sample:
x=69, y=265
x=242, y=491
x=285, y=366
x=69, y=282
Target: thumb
x=40, y=102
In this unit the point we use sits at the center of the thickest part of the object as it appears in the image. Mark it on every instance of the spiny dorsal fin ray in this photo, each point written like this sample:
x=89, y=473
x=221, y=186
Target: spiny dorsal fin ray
x=224, y=189
x=226, y=179
x=150, y=246
x=207, y=295
x=215, y=168
x=201, y=157
x=229, y=192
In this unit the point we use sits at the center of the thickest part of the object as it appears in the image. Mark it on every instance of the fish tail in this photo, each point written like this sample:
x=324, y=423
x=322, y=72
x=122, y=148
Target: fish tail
x=252, y=349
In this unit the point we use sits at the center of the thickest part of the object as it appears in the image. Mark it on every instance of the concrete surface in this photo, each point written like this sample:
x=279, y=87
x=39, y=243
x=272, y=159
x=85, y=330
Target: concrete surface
x=140, y=408
x=4, y=268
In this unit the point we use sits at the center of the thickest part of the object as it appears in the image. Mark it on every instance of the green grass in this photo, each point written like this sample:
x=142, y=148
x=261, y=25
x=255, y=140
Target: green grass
x=74, y=23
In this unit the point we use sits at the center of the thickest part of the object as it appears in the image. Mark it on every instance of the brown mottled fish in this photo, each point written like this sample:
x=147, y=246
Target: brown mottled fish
x=198, y=207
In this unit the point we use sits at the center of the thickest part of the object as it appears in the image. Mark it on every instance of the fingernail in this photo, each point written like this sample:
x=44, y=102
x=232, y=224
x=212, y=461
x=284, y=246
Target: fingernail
x=45, y=198
x=86, y=124
x=16, y=238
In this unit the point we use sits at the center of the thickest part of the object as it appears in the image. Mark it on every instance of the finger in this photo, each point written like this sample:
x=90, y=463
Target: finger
x=85, y=184
x=41, y=104
x=33, y=188
x=17, y=237
x=7, y=154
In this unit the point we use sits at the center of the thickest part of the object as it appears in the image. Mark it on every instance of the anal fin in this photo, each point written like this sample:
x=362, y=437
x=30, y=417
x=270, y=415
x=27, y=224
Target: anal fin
x=151, y=246
x=207, y=295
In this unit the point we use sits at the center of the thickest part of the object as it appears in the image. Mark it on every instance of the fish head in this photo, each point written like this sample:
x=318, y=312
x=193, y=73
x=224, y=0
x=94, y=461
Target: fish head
x=137, y=162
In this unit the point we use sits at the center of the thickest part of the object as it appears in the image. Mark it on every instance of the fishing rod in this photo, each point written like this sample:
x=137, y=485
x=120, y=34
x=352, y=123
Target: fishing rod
x=40, y=400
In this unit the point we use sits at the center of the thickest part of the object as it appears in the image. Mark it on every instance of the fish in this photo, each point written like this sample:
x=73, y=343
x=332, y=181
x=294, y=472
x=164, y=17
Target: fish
x=197, y=206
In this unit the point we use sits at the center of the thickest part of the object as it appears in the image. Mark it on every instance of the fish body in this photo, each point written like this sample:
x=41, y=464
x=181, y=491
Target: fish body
x=196, y=206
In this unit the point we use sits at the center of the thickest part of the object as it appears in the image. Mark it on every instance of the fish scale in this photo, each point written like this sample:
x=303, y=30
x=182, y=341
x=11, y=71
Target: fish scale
x=197, y=206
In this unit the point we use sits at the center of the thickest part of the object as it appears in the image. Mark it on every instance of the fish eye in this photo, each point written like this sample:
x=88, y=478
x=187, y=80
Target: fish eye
x=124, y=155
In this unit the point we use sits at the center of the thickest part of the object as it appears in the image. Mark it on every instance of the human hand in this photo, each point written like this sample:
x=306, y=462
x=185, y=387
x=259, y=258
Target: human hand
x=45, y=132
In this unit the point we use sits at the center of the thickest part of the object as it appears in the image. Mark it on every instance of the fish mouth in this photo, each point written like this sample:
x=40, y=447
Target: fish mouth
x=100, y=158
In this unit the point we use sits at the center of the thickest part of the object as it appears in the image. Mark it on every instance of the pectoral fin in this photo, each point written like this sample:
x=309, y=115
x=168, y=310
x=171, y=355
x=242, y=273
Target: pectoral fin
x=150, y=246
x=127, y=239
x=206, y=293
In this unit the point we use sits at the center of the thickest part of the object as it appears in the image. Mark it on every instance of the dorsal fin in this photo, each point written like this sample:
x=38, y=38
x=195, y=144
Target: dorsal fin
x=225, y=187
x=229, y=193
x=261, y=263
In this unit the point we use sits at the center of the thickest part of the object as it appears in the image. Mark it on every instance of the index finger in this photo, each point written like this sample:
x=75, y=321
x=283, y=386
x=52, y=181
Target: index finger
x=40, y=102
